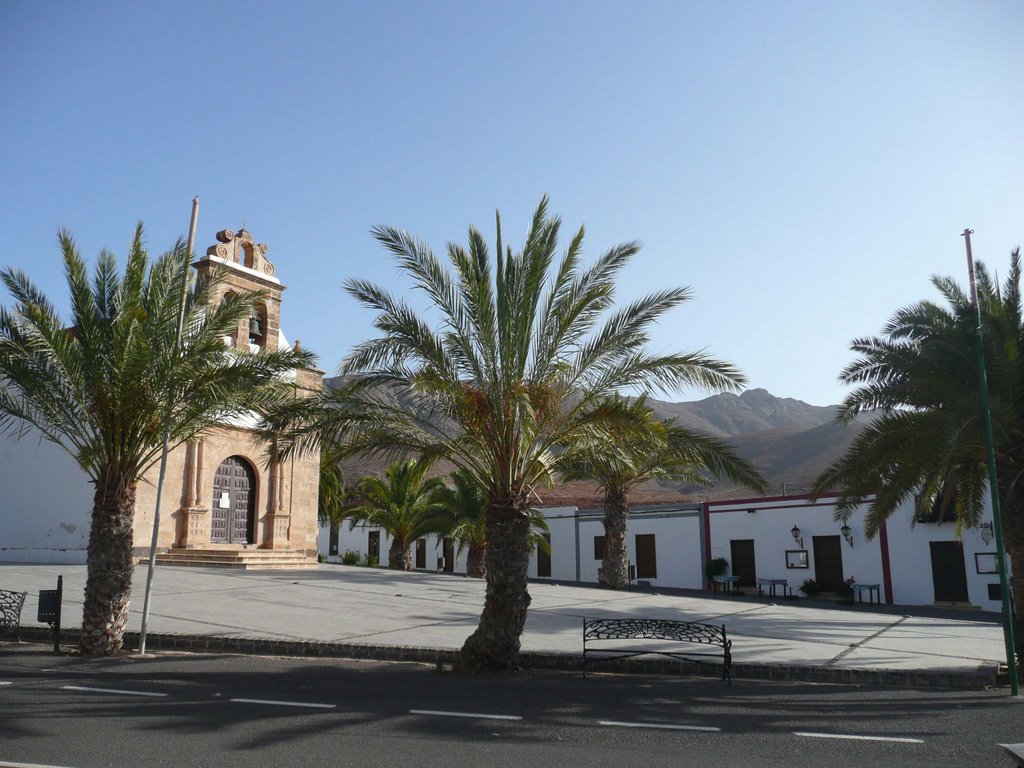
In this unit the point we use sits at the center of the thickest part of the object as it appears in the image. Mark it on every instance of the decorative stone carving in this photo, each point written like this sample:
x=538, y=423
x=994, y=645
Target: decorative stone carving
x=239, y=248
x=197, y=528
x=279, y=525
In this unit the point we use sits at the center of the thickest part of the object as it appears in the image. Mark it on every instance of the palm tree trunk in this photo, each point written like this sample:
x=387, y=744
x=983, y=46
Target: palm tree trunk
x=1012, y=508
x=475, y=565
x=615, y=565
x=108, y=586
x=399, y=555
x=495, y=643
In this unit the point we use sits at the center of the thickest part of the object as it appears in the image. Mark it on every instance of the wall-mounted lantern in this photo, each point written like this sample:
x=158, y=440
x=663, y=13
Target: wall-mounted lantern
x=987, y=532
x=797, y=537
x=847, y=534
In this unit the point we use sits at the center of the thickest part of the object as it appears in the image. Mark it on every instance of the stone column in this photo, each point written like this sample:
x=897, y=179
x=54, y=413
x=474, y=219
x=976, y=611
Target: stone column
x=197, y=528
x=280, y=519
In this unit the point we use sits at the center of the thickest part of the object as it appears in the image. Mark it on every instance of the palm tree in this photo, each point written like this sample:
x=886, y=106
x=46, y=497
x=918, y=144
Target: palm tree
x=527, y=347
x=403, y=503
x=928, y=443
x=660, y=451
x=462, y=517
x=334, y=500
x=103, y=386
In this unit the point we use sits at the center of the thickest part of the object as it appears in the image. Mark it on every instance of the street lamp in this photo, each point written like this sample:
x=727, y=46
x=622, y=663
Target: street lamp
x=847, y=534
x=986, y=532
x=797, y=537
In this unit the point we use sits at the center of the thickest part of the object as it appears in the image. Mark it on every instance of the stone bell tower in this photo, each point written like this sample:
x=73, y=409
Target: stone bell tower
x=233, y=507
x=248, y=269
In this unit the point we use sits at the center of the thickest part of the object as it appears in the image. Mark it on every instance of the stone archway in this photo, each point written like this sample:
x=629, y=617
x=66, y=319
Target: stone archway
x=233, y=504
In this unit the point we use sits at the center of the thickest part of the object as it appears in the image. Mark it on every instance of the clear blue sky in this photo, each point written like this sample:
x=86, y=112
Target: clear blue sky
x=803, y=166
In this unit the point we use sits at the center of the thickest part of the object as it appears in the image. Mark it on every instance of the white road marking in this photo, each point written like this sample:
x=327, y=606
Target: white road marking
x=665, y=726
x=8, y=764
x=112, y=690
x=285, y=703
x=5, y=682
x=855, y=737
x=442, y=713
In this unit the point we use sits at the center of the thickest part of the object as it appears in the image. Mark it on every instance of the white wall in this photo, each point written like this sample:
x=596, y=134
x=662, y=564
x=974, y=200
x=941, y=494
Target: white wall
x=562, y=525
x=910, y=555
x=770, y=526
x=357, y=540
x=45, y=503
x=677, y=544
x=680, y=562
x=909, y=551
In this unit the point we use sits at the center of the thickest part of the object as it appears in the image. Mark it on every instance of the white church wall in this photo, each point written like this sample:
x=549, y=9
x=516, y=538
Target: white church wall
x=45, y=503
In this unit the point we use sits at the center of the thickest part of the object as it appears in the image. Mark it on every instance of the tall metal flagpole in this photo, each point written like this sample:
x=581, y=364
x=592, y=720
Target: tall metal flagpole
x=997, y=518
x=187, y=263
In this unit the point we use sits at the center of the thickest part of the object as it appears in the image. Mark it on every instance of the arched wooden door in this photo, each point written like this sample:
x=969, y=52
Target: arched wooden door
x=234, y=503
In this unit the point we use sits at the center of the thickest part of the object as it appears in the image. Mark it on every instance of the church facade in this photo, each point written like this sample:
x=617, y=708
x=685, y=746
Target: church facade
x=222, y=503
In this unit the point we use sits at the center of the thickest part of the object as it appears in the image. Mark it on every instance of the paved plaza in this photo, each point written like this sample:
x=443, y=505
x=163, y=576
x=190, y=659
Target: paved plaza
x=340, y=604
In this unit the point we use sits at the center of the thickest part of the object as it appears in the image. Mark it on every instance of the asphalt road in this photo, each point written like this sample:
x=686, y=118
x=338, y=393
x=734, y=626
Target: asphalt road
x=225, y=711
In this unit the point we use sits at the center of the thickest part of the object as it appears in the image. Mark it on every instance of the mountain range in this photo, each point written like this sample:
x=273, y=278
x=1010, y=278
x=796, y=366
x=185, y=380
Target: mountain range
x=788, y=440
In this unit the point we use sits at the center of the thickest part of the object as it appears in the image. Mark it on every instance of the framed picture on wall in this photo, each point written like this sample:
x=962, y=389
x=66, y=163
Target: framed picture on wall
x=796, y=558
x=986, y=562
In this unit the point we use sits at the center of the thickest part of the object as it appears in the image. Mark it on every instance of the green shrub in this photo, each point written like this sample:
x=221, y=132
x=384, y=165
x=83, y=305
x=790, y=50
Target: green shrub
x=370, y=561
x=845, y=590
x=321, y=557
x=351, y=557
x=717, y=566
x=810, y=587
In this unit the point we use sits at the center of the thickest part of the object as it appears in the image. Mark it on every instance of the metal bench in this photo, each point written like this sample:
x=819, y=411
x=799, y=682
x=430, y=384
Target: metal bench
x=606, y=636
x=11, y=604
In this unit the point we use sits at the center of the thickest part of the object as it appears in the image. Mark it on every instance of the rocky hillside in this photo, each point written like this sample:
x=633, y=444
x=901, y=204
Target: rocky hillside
x=788, y=440
x=756, y=410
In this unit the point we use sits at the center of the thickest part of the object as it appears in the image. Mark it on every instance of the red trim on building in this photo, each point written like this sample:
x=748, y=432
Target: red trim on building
x=800, y=504
x=707, y=541
x=883, y=544
x=793, y=497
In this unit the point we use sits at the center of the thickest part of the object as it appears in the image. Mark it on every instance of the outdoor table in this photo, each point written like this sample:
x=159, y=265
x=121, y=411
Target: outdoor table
x=872, y=590
x=772, y=584
x=728, y=581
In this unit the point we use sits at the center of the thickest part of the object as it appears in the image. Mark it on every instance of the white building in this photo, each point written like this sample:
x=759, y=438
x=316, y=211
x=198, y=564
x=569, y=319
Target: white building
x=788, y=539
x=919, y=563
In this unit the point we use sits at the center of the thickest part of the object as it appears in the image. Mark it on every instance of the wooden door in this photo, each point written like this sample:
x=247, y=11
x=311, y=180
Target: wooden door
x=373, y=545
x=332, y=547
x=233, y=513
x=828, y=561
x=448, y=550
x=646, y=556
x=949, y=575
x=743, y=563
x=421, y=553
x=544, y=559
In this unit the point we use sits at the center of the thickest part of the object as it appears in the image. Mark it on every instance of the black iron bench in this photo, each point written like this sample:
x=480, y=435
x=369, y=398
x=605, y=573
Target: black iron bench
x=11, y=604
x=605, y=636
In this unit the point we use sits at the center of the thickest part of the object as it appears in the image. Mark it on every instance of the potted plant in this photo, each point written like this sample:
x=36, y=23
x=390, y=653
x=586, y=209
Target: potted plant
x=810, y=587
x=717, y=566
x=845, y=590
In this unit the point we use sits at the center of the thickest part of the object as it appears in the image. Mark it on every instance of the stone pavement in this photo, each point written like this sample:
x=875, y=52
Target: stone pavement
x=374, y=613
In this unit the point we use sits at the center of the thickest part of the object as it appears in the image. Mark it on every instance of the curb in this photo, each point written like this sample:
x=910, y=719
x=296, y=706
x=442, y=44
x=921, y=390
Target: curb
x=984, y=675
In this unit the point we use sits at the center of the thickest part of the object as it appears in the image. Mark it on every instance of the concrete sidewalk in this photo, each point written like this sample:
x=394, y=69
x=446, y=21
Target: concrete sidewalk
x=340, y=610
